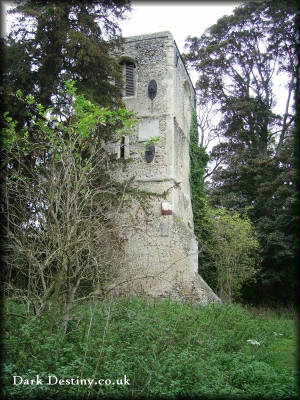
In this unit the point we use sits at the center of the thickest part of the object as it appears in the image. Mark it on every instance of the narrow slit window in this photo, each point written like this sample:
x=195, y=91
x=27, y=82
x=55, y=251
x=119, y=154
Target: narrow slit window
x=122, y=147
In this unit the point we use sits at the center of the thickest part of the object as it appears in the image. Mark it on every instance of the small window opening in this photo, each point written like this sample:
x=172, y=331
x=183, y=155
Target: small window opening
x=129, y=78
x=122, y=147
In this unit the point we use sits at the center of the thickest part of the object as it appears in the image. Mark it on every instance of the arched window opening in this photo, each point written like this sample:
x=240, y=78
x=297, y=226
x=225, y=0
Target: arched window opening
x=128, y=70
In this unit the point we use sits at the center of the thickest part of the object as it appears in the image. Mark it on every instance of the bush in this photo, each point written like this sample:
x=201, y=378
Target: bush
x=163, y=348
x=61, y=203
x=232, y=251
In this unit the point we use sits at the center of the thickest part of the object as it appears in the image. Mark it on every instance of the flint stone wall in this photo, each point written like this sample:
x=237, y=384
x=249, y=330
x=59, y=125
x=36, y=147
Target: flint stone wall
x=161, y=250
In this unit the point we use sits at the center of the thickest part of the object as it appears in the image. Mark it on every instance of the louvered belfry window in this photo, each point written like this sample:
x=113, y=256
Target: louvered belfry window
x=129, y=78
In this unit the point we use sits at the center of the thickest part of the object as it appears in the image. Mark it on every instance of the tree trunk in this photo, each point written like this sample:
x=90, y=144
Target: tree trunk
x=68, y=306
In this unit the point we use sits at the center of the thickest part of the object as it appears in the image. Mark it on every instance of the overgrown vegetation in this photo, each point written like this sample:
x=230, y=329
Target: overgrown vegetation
x=53, y=41
x=240, y=59
x=230, y=251
x=60, y=199
x=228, y=246
x=163, y=347
x=61, y=203
x=198, y=162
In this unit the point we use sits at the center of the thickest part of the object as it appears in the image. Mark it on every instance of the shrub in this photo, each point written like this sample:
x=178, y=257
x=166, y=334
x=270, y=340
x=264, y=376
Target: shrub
x=163, y=347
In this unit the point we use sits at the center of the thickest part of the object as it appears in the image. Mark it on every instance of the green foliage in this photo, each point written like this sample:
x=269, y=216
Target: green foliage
x=198, y=162
x=151, y=141
x=231, y=247
x=163, y=347
x=53, y=42
x=86, y=121
x=61, y=201
x=227, y=243
x=238, y=60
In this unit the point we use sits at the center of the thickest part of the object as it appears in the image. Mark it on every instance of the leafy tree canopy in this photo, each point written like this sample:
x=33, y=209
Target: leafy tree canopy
x=238, y=60
x=53, y=41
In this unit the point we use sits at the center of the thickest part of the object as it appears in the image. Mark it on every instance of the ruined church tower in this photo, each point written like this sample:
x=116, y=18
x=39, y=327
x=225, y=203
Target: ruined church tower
x=161, y=248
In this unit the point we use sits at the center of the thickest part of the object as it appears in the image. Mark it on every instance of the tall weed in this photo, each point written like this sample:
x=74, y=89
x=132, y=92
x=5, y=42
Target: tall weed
x=164, y=348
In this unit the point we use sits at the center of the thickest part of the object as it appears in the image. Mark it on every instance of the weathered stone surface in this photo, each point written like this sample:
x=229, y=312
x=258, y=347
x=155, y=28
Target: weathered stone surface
x=148, y=128
x=161, y=248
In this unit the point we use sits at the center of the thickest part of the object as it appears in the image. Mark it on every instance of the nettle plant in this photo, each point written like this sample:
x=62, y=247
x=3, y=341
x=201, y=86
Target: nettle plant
x=61, y=202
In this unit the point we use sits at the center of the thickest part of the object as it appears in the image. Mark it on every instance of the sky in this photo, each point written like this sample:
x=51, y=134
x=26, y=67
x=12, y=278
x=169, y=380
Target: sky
x=181, y=18
x=184, y=18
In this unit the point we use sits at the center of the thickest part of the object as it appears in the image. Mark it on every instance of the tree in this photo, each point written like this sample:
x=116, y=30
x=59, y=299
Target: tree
x=61, y=235
x=244, y=53
x=51, y=42
x=232, y=251
x=238, y=59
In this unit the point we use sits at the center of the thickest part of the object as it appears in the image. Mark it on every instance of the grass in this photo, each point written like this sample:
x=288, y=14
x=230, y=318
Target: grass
x=164, y=348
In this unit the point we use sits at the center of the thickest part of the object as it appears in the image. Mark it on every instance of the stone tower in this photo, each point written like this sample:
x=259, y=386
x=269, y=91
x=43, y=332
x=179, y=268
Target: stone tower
x=161, y=249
